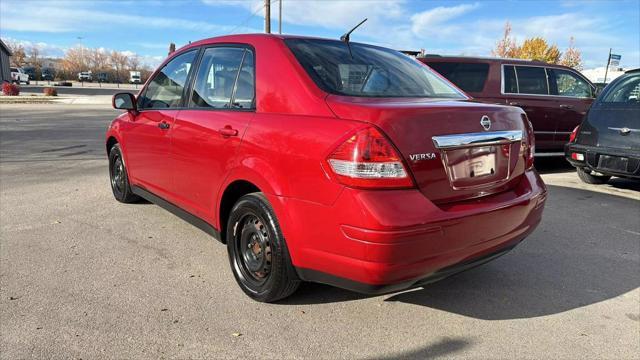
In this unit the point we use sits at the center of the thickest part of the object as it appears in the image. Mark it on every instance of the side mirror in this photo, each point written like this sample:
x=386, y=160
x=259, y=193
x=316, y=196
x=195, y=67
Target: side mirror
x=124, y=101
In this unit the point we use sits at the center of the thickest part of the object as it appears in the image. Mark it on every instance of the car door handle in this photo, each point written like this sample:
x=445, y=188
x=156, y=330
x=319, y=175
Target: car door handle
x=565, y=106
x=228, y=131
x=514, y=104
x=163, y=125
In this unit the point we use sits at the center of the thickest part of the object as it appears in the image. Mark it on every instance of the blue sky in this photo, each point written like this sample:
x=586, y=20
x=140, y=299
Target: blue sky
x=446, y=27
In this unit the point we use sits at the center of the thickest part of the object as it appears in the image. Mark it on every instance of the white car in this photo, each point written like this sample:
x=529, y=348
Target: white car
x=85, y=76
x=18, y=76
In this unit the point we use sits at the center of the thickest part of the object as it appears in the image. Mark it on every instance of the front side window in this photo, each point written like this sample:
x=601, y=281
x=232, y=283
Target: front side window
x=469, y=77
x=532, y=80
x=625, y=91
x=225, y=79
x=166, y=88
x=570, y=84
x=356, y=69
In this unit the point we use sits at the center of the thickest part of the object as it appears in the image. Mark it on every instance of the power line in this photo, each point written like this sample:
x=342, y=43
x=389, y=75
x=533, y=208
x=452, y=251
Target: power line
x=243, y=23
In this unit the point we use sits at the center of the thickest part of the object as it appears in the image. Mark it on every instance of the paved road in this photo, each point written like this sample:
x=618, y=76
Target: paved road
x=82, y=276
x=77, y=89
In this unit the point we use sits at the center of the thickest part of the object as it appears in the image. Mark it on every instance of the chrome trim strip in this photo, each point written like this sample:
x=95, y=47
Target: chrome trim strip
x=476, y=139
x=548, y=154
x=620, y=129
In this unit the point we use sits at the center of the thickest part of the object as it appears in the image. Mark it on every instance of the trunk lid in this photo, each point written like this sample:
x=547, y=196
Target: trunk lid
x=439, y=141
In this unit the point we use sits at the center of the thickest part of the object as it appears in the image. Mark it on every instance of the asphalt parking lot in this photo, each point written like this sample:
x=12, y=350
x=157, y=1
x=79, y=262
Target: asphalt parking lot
x=83, y=276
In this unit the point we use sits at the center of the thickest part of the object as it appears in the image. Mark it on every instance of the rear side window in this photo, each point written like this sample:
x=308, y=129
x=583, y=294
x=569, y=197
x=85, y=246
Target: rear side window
x=469, y=77
x=510, y=80
x=567, y=83
x=166, y=88
x=367, y=71
x=532, y=80
x=625, y=91
x=225, y=79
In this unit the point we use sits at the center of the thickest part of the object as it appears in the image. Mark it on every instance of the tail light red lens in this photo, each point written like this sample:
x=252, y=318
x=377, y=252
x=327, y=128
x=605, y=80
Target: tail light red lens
x=368, y=160
x=529, y=142
x=574, y=134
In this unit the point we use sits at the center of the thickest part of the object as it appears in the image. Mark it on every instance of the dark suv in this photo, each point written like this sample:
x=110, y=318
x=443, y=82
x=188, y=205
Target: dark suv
x=555, y=98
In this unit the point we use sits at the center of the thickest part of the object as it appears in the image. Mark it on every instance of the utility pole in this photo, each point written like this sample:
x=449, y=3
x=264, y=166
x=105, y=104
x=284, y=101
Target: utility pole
x=279, y=16
x=267, y=16
x=606, y=70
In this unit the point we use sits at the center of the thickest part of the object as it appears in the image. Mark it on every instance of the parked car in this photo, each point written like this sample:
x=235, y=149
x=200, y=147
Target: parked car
x=555, y=97
x=85, y=76
x=32, y=72
x=48, y=74
x=134, y=77
x=327, y=161
x=103, y=77
x=607, y=143
x=18, y=76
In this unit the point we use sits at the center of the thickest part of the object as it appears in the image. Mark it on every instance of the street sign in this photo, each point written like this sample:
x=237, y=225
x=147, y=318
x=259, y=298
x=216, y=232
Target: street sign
x=614, y=61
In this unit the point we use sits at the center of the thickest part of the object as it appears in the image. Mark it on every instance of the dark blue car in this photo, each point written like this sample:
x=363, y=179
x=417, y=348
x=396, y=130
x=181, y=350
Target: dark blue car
x=607, y=143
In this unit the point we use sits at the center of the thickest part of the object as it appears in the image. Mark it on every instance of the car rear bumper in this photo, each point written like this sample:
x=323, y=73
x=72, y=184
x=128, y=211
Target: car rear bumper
x=592, y=156
x=382, y=241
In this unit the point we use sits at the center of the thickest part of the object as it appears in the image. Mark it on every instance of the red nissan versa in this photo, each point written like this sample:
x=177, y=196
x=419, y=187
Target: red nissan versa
x=328, y=161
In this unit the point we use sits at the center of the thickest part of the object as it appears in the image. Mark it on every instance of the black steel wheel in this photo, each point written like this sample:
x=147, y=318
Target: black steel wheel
x=118, y=177
x=257, y=251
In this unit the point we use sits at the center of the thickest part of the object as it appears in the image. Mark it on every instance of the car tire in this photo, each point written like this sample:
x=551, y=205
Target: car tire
x=586, y=176
x=118, y=177
x=258, y=254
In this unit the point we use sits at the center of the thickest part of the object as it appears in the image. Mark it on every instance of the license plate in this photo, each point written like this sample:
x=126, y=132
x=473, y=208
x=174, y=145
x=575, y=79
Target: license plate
x=615, y=163
x=477, y=166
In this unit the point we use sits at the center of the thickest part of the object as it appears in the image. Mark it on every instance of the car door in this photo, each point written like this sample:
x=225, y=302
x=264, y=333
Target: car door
x=573, y=96
x=148, y=134
x=528, y=88
x=207, y=133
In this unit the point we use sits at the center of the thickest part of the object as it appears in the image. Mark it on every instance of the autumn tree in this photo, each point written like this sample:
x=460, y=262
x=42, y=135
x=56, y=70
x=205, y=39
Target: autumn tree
x=74, y=61
x=98, y=60
x=537, y=48
x=119, y=62
x=134, y=62
x=19, y=57
x=506, y=47
x=572, y=57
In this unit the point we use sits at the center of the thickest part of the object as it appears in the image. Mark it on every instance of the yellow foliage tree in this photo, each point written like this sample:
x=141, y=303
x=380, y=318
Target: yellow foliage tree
x=537, y=48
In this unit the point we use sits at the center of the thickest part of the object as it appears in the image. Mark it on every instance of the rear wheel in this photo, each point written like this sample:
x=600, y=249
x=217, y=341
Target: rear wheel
x=588, y=177
x=257, y=251
x=118, y=177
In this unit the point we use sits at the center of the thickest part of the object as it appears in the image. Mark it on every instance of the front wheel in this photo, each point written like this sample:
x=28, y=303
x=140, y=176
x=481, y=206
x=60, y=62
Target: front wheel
x=118, y=177
x=257, y=251
x=586, y=176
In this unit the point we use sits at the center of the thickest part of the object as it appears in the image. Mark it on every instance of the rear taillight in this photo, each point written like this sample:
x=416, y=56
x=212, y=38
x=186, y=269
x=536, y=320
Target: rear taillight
x=368, y=160
x=529, y=142
x=574, y=134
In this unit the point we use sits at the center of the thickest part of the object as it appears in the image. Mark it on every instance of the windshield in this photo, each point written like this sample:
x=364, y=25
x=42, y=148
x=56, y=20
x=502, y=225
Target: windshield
x=367, y=71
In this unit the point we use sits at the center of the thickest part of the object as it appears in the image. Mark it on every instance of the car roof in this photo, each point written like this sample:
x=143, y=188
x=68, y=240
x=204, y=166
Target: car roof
x=487, y=59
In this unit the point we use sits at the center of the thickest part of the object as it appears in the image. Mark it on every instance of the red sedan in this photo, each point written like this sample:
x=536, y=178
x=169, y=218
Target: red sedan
x=328, y=161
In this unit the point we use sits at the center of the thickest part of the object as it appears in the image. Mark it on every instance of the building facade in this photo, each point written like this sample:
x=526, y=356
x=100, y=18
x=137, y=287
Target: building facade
x=5, y=60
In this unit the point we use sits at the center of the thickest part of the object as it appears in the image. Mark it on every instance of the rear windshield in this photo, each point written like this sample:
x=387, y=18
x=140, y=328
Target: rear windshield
x=627, y=90
x=367, y=71
x=467, y=76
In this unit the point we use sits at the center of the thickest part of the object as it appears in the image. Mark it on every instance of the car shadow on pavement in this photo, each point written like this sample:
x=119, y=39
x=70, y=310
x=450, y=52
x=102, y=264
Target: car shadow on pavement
x=585, y=251
x=442, y=348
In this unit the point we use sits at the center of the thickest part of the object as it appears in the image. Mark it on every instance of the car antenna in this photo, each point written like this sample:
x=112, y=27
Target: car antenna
x=346, y=36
